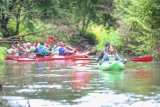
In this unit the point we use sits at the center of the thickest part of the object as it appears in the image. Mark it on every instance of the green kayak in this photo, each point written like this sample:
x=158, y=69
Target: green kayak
x=111, y=65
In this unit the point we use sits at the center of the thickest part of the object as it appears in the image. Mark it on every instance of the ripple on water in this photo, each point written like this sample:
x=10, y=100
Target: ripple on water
x=30, y=91
x=44, y=86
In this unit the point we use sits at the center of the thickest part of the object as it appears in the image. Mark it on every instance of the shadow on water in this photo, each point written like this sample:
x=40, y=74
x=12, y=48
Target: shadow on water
x=79, y=83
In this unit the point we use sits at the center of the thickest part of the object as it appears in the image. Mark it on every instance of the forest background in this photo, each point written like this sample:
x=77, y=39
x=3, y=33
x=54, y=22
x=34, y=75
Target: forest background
x=133, y=26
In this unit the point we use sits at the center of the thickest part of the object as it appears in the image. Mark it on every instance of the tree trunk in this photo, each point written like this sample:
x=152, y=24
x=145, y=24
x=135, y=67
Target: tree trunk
x=5, y=16
x=4, y=21
x=18, y=19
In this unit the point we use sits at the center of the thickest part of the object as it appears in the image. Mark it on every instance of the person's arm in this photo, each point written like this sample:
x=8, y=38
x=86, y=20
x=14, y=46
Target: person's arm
x=33, y=50
x=46, y=51
x=68, y=51
x=101, y=56
x=70, y=47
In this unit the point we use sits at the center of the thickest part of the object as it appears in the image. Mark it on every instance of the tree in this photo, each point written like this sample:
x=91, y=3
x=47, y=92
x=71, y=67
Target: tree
x=138, y=21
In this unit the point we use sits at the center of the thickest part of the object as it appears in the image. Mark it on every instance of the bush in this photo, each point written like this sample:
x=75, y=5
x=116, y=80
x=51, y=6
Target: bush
x=2, y=53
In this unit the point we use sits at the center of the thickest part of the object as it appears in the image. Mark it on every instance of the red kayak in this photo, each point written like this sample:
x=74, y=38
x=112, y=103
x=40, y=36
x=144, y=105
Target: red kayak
x=46, y=58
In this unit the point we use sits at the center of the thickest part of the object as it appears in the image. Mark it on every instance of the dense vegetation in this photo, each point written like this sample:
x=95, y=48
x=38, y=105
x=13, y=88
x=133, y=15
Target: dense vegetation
x=132, y=25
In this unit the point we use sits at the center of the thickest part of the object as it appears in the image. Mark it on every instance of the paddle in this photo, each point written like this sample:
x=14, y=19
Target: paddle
x=52, y=39
x=136, y=59
x=84, y=58
x=142, y=59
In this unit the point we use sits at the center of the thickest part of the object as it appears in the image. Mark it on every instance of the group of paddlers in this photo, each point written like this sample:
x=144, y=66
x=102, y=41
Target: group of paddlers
x=40, y=49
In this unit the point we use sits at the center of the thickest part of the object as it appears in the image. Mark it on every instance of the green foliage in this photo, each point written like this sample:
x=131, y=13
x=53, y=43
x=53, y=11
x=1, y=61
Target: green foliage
x=103, y=36
x=1, y=34
x=12, y=24
x=2, y=53
x=133, y=24
x=91, y=37
x=34, y=38
x=138, y=24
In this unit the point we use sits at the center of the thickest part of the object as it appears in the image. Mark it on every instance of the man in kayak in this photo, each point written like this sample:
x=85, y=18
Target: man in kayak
x=41, y=50
x=110, y=52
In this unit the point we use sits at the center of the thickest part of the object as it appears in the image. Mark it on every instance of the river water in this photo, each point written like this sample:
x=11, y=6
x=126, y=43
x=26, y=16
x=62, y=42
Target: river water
x=79, y=84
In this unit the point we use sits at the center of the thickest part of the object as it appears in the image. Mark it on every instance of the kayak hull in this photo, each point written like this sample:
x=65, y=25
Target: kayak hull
x=111, y=65
x=46, y=58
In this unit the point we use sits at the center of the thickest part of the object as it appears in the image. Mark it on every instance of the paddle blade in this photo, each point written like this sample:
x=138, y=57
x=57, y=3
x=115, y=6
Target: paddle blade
x=36, y=45
x=142, y=59
x=52, y=39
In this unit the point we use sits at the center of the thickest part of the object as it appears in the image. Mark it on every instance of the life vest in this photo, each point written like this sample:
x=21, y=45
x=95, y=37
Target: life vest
x=56, y=50
x=21, y=51
x=111, y=58
x=62, y=51
x=40, y=51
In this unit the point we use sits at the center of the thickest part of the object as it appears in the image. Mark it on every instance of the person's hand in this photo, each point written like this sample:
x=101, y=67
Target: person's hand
x=124, y=61
x=100, y=62
x=75, y=50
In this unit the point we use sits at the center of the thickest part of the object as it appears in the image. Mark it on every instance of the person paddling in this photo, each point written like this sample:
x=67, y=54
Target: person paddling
x=100, y=57
x=56, y=47
x=41, y=50
x=64, y=51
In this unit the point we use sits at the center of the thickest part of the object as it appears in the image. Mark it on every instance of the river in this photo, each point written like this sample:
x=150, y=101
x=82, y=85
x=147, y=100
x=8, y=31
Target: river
x=79, y=84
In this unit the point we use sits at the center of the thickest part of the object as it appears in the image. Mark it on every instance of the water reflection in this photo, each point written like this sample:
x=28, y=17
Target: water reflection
x=69, y=83
x=139, y=82
x=2, y=71
x=70, y=62
x=80, y=79
x=112, y=80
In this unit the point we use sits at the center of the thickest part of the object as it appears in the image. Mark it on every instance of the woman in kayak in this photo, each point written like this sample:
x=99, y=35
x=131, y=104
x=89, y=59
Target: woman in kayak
x=111, y=51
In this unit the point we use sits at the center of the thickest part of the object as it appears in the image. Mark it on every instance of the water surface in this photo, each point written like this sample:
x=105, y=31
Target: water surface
x=79, y=84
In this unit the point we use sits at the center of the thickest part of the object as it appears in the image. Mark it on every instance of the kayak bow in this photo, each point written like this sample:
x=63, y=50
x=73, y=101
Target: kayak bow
x=111, y=65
